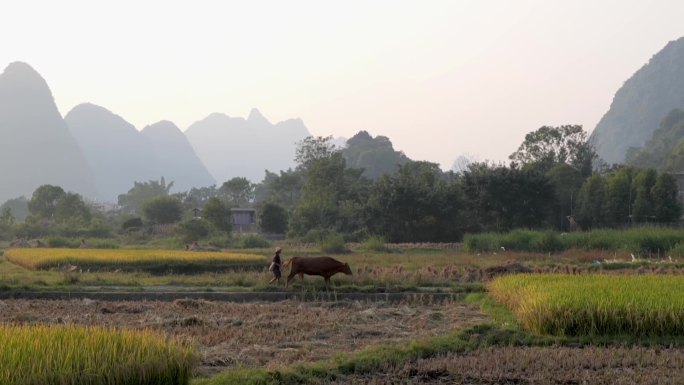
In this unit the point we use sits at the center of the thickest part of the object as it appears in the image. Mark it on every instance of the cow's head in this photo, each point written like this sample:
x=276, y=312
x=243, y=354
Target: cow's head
x=346, y=269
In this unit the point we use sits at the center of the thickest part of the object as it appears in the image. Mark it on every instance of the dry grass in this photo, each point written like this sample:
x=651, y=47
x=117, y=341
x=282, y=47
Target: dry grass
x=536, y=365
x=269, y=335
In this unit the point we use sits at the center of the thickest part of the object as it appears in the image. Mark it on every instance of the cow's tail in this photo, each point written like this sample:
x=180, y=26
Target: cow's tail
x=287, y=263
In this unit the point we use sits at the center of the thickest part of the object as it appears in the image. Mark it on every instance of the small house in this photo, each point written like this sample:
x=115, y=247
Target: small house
x=244, y=220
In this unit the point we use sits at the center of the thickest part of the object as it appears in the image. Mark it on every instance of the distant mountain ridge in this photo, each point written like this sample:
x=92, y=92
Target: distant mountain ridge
x=376, y=156
x=237, y=147
x=176, y=159
x=98, y=154
x=36, y=146
x=641, y=103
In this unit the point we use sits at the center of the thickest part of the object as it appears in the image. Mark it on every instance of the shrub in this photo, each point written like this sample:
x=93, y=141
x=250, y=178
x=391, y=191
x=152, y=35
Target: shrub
x=60, y=242
x=252, y=241
x=193, y=230
x=374, y=243
x=333, y=244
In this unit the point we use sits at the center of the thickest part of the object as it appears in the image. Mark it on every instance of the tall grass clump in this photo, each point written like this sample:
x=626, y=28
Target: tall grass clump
x=333, y=244
x=374, y=243
x=77, y=355
x=644, y=305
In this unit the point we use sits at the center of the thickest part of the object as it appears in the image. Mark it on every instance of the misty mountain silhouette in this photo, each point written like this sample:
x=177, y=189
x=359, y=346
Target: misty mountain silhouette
x=117, y=153
x=175, y=157
x=35, y=145
x=641, y=103
x=238, y=147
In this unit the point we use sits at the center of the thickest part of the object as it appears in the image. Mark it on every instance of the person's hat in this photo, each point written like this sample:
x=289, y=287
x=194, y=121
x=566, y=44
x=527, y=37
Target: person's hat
x=278, y=250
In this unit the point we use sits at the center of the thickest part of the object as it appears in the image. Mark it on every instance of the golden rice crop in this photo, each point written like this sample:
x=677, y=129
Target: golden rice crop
x=561, y=304
x=78, y=355
x=45, y=258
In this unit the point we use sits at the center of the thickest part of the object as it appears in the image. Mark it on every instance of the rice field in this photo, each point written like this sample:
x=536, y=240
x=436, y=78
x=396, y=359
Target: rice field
x=131, y=259
x=75, y=355
x=573, y=305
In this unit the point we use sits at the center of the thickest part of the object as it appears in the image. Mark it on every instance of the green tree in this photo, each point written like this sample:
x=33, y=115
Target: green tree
x=591, y=202
x=311, y=149
x=502, y=198
x=417, y=204
x=566, y=181
x=44, y=201
x=618, y=196
x=133, y=200
x=237, y=192
x=332, y=197
x=284, y=189
x=71, y=208
x=550, y=146
x=192, y=230
x=273, y=219
x=6, y=222
x=162, y=210
x=217, y=214
x=664, y=193
x=642, y=184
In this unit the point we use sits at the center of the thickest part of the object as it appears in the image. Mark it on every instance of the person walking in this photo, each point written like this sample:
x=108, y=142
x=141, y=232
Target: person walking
x=276, y=263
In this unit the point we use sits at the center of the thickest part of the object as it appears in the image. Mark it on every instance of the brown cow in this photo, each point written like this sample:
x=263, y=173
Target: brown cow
x=326, y=267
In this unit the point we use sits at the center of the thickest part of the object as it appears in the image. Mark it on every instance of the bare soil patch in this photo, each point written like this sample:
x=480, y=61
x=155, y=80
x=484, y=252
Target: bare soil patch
x=267, y=335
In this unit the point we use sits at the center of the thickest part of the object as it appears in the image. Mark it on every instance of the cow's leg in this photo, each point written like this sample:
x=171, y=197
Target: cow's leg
x=301, y=276
x=289, y=277
x=327, y=283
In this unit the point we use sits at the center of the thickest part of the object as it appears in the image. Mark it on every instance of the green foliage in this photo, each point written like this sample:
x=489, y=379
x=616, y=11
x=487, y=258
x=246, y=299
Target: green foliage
x=237, y=192
x=333, y=244
x=312, y=149
x=44, y=201
x=162, y=210
x=252, y=241
x=61, y=242
x=273, y=219
x=284, y=189
x=664, y=193
x=331, y=198
x=502, y=198
x=218, y=214
x=71, y=208
x=648, y=241
x=663, y=151
x=551, y=146
x=417, y=204
x=591, y=202
x=192, y=230
x=132, y=223
x=133, y=200
x=374, y=243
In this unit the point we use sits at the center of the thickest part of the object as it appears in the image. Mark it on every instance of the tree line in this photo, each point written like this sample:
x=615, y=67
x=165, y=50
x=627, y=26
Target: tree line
x=553, y=181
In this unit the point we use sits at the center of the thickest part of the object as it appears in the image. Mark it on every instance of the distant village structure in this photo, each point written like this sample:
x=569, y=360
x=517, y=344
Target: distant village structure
x=244, y=220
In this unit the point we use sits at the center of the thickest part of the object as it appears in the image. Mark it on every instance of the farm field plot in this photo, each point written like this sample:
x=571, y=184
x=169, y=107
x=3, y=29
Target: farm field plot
x=131, y=259
x=637, y=305
x=538, y=365
x=263, y=335
x=72, y=354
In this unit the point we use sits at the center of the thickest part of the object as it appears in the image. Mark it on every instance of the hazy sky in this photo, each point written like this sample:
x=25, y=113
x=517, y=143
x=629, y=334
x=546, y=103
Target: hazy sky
x=440, y=78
